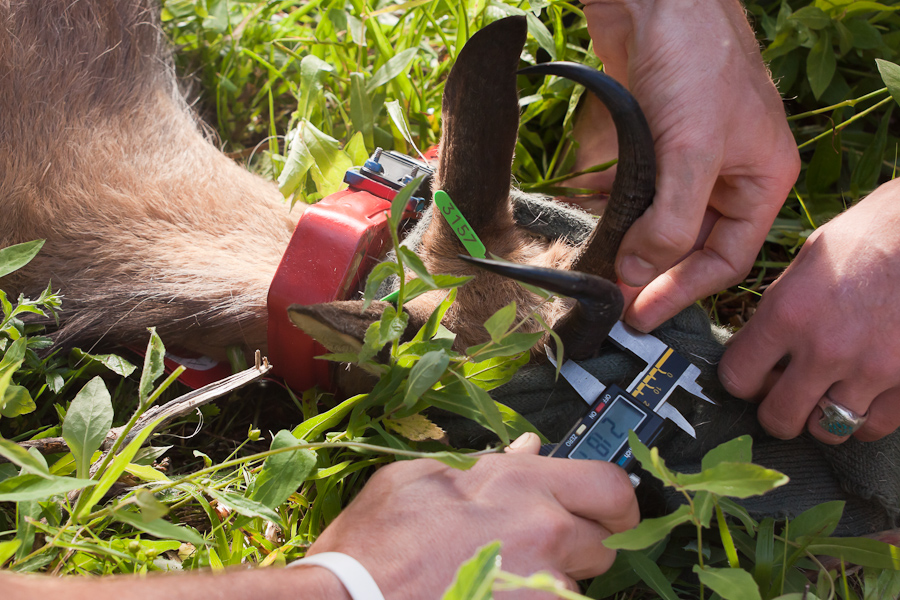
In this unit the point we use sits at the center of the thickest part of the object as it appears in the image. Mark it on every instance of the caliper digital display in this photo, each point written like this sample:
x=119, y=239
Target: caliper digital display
x=608, y=435
x=603, y=433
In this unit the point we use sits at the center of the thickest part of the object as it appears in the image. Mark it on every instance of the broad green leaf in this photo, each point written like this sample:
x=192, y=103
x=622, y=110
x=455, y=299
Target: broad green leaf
x=27, y=512
x=456, y=399
x=311, y=69
x=651, y=575
x=23, y=488
x=487, y=407
x=499, y=323
x=417, y=287
x=356, y=149
x=765, y=554
x=154, y=366
x=812, y=17
x=397, y=65
x=543, y=36
x=331, y=161
x=16, y=401
x=7, y=549
x=148, y=473
x=15, y=353
x=19, y=456
x=731, y=584
x=298, y=163
x=151, y=508
x=738, y=480
x=516, y=424
x=113, y=362
x=825, y=166
x=457, y=460
x=730, y=507
x=8, y=367
x=245, y=506
x=704, y=503
x=864, y=6
x=859, y=551
x=312, y=428
x=512, y=344
x=650, y=460
x=398, y=117
x=382, y=271
x=412, y=262
x=494, y=372
x=160, y=528
x=475, y=578
x=424, y=374
x=727, y=540
x=865, y=35
x=621, y=575
x=432, y=326
x=399, y=204
x=738, y=450
x=361, y=109
x=283, y=473
x=821, y=64
x=890, y=74
x=648, y=531
x=13, y=258
x=114, y=470
x=87, y=423
x=357, y=29
x=820, y=520
x=393, y=324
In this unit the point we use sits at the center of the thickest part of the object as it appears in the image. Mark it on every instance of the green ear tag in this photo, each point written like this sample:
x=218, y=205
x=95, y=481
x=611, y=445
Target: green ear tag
x=458, y=223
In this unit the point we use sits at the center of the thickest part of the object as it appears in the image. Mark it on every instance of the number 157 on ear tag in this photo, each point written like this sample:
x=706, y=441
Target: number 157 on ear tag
x=458, y=223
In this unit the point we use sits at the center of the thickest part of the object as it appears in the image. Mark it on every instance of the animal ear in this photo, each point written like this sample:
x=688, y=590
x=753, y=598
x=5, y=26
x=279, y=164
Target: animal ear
x=339, y=326
x=480, y=124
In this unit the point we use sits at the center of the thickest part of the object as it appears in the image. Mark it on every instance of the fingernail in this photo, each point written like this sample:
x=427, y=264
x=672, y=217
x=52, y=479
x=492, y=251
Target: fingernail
x=521, y=441
x=636, y=272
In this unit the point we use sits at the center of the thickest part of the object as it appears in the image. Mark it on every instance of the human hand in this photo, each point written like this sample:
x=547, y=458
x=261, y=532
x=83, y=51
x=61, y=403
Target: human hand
x=726, y=157
x=416, y=522
x=835, y=313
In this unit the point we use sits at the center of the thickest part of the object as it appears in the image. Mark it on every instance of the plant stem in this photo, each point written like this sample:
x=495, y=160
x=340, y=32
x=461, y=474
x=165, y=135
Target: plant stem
x=851, y=102
x=836, y=128
x=268, y=453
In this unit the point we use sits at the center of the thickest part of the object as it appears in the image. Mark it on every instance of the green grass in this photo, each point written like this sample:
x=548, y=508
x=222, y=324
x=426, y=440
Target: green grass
x=354, y=74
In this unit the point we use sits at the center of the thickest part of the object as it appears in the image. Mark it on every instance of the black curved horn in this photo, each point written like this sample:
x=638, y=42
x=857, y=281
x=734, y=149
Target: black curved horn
x=599, y=302
x=635, y=183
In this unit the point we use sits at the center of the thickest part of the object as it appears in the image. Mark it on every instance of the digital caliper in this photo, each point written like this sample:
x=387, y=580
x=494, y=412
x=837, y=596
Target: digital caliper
x=642, y=407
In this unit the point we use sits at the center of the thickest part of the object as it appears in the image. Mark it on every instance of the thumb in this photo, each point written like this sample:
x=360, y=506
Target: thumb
x=527, y=443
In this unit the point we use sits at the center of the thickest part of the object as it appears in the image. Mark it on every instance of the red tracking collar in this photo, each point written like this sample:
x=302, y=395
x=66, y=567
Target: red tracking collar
x=335, y=245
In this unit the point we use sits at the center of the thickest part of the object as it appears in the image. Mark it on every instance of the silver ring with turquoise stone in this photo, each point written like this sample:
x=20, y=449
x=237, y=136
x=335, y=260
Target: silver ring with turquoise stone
x=839, y=420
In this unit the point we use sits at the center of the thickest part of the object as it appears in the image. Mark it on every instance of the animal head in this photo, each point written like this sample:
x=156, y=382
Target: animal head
x=480, y=118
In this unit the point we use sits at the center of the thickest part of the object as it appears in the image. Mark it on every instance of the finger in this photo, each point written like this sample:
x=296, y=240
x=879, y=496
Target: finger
x=669, y=227
x=785, y=410
x=527, y=443
x=853, y=396
x=751, y=357
x=587, y=556
x=883, y=417
x=725, y=258
x=595, y=490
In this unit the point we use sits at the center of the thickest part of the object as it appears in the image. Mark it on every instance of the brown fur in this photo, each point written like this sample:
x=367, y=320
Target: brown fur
x=147, y=223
